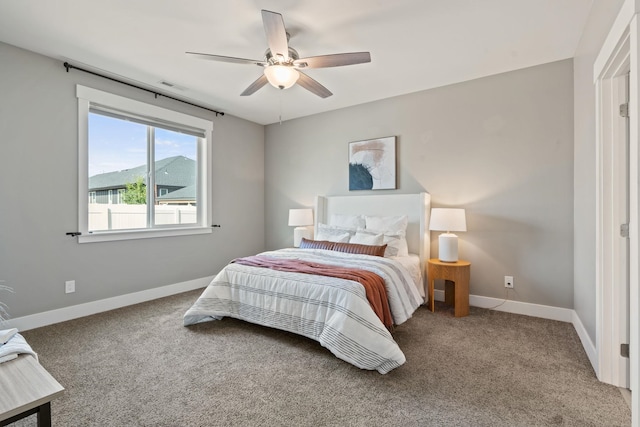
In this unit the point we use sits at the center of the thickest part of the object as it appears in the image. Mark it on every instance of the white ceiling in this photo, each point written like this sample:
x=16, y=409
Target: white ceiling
x=414, y=44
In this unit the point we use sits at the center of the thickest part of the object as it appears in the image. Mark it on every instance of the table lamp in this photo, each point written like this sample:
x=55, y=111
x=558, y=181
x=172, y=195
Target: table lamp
x=447, y=220
x=300, y=218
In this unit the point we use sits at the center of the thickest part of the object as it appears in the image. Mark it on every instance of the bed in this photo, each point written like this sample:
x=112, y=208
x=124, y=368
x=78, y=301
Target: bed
x=280, y=289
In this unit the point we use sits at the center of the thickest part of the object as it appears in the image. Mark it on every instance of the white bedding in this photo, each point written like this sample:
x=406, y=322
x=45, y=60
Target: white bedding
x=334, y=312
x=412, y=264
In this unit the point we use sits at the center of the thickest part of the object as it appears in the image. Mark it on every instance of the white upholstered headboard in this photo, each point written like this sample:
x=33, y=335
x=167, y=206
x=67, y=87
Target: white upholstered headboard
x=416, y=206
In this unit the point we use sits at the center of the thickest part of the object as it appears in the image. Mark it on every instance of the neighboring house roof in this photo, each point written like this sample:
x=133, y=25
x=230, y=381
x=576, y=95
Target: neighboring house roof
x=177, y=171
x=186, y=193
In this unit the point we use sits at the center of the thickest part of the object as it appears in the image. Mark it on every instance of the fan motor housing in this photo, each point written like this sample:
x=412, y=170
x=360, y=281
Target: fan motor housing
x=293, y=55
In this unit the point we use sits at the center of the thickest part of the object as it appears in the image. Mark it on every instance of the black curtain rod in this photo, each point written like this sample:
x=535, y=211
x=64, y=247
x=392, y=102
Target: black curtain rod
x=69, y=66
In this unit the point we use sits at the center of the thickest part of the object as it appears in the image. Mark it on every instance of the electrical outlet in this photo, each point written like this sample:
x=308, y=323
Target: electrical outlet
x=69, y=286
x=508, y=282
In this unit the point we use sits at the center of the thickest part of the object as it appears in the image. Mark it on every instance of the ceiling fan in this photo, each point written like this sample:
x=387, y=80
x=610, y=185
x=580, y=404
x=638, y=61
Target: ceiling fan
x=282, y=63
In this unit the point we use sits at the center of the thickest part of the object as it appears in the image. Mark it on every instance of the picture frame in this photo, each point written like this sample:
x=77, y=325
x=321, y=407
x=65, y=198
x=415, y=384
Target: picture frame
x=372, y=164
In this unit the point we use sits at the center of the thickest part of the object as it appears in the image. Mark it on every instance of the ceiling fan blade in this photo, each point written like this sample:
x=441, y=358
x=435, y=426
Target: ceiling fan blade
x=230, y=59
x=313, y=86
x=335, y=60
x=276, y=33
x=262, y=80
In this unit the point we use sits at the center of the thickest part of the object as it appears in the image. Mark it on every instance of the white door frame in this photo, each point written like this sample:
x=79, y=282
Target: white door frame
x=620, y=51
x=611, y=196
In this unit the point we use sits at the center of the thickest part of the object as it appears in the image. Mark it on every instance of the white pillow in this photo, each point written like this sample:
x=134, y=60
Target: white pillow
x=396, y=243
x=347, y=221
x=338, y=238
x=334, y=234
x=367, y=239
x=389, y=224
x=399, y=242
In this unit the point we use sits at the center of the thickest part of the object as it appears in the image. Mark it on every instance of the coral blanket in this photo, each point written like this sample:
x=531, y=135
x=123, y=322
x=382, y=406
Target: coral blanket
x=373, y=284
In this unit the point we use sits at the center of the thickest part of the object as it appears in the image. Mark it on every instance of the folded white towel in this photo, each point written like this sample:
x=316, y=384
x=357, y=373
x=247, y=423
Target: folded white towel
x=16, y=345
x=8, y=357
x=7, y=334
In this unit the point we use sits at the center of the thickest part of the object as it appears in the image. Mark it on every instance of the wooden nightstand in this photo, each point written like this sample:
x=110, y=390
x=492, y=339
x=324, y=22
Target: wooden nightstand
x=456, y=285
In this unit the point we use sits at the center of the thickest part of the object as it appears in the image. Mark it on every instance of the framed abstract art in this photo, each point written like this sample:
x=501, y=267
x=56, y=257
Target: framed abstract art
x=372, y=164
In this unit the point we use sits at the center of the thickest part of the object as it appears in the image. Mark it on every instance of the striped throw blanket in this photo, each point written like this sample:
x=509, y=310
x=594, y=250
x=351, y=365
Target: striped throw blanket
x=372, y=283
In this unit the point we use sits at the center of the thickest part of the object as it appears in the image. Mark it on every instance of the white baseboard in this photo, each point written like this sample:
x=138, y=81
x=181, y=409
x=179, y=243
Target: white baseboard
x=516, y=307
x=73, y=312
x=588, y=345
x=536, y=310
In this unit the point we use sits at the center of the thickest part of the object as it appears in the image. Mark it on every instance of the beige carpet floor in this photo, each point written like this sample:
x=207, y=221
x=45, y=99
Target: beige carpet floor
x=138, y=366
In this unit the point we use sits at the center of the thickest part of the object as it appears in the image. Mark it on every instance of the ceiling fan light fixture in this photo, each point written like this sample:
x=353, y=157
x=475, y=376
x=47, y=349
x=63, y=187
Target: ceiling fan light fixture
x=281, y=76
x=281, y=62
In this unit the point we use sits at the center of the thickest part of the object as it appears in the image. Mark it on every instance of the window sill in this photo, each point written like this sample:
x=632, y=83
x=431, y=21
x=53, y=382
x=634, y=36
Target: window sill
x=110, y=236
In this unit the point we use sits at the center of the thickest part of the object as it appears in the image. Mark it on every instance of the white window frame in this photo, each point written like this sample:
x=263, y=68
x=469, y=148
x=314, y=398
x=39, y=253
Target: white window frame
x=88, y=96
x=120, y=196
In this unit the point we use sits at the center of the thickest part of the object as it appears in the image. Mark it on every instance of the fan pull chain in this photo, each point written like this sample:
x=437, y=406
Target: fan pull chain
x=280, y=99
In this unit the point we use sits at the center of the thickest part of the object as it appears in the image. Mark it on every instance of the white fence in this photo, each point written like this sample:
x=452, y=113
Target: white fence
x=122, y=217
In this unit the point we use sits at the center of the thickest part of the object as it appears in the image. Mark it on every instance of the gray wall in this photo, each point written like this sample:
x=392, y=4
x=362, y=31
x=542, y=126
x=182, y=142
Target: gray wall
x=600, y=20
x=501, y=147
x=39, y=194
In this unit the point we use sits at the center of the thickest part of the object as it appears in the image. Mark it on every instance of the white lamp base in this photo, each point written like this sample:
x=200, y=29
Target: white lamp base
x=298, y=234
x=448, y=247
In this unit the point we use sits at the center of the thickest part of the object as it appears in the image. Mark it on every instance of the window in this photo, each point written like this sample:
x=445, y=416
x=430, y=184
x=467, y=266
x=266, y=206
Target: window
x=132, y=156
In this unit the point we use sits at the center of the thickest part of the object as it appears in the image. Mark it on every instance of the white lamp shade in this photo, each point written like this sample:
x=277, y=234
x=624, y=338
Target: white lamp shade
x=281, y=76
x=447, y=219
x=300, y=217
